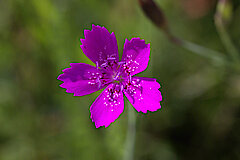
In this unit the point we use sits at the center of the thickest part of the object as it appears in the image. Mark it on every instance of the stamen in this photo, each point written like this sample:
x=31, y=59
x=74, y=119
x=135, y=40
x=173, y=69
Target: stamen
x=121, y=87
x=99, y=82
x=97, y=64
x=116, y=75
x=104, y=64
x=111, y=58
x=120, y=63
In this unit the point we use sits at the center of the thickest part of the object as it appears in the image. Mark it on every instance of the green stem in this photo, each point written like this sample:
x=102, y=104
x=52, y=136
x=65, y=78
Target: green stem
x=198, y=49
x=131, y=133
x=227, y=42
x=225, y=38
x=215, y=56
x=204, y=52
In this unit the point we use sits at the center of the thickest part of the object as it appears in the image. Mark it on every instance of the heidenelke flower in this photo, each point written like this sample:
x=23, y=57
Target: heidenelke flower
x=117, y=76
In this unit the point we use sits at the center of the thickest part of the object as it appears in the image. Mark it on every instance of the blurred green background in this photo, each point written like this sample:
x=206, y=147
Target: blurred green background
x=200, y=115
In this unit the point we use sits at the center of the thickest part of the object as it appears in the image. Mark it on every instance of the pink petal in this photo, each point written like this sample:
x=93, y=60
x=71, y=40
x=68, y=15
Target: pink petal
x=136, y=53
x=80, y=79
x=106, y=109
x=99, y=45
x=143, y=94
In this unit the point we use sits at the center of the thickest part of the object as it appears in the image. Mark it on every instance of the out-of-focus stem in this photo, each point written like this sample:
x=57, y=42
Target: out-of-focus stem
x=198, y=49
x=204, y=52
x=131, y=132
x=226, y=40
x=156, y=15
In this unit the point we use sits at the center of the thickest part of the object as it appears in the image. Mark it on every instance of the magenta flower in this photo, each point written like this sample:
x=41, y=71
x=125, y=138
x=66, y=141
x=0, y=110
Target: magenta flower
x=101, y=48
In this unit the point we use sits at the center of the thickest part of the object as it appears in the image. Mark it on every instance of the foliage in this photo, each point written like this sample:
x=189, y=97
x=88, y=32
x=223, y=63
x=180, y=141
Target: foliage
x=199, y=118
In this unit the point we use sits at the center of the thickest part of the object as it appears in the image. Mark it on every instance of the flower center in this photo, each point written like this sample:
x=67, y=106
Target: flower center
x=114, y=72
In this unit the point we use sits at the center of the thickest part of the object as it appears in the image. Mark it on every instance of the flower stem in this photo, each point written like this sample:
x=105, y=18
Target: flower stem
x=131, y=133
x=226, y=40
x=197, y=49
x=203, y=51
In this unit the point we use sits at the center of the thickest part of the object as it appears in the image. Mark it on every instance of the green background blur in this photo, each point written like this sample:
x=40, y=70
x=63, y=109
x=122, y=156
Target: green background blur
x=200, y=115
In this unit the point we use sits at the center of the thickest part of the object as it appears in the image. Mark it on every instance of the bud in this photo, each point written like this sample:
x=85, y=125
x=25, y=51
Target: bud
x=154, y=13
x=224, y=11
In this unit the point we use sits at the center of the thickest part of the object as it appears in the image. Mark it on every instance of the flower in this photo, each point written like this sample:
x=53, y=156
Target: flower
x=117, y=76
